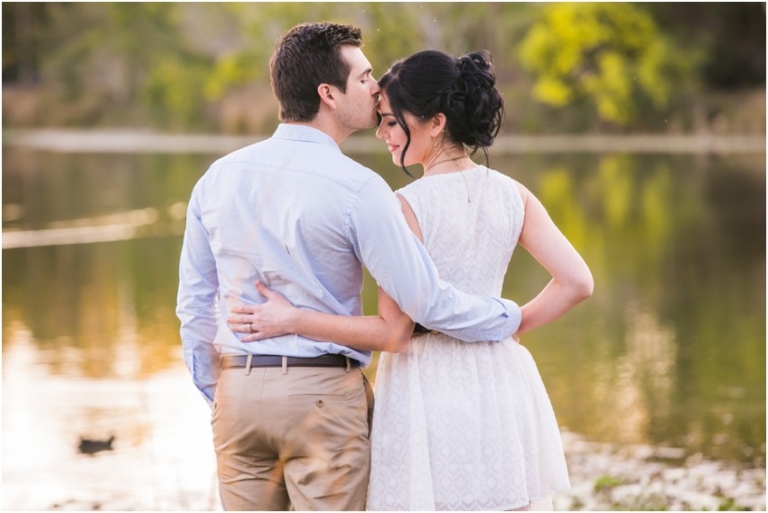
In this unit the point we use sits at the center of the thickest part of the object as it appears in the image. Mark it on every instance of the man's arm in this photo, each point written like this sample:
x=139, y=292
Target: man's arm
x=401, y=266
x=196, y=304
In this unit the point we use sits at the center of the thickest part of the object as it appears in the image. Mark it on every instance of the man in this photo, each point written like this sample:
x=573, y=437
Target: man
x=290, y=424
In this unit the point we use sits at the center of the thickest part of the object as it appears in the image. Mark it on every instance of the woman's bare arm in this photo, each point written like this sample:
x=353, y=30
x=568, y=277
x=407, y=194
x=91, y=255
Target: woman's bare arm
x=571, y=280
x=390, y=330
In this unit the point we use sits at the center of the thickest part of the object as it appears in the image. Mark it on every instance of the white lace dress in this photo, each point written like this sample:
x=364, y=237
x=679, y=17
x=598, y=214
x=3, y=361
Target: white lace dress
x=464, y=426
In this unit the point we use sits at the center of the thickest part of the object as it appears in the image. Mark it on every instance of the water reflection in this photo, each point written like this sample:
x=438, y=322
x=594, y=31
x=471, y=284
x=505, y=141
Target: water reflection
x=678, y=314
x=111, y=227
x=669, y=351
x=158, y=461
x=95, y=299
x=640, y=380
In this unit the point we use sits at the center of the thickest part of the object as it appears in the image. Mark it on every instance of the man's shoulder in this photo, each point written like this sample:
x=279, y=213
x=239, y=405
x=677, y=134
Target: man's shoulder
x=321, y=161
x=245, y=153
x=356, y=167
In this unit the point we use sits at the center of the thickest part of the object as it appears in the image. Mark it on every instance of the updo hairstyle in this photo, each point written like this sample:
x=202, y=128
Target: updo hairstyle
x=463, y=89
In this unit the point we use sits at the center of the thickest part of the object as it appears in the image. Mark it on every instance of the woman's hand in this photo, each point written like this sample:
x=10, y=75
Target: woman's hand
x=390, y=330
x=274, y=318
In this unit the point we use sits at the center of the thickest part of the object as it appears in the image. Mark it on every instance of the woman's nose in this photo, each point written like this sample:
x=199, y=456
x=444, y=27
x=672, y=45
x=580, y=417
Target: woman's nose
x=380, y=131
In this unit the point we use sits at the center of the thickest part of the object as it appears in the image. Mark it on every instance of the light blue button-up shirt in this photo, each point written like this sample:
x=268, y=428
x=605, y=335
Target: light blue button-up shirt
x=295, y=213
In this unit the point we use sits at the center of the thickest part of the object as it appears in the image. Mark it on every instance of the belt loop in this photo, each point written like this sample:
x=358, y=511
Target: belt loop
x=248, y=364
x=285, y=365
x=349, y=364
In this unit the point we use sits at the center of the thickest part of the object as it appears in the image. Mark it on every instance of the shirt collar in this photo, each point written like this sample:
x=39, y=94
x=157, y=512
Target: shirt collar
x=303, y=133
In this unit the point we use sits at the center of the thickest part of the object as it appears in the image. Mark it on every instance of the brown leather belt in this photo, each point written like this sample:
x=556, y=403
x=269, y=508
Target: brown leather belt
x=257, y=360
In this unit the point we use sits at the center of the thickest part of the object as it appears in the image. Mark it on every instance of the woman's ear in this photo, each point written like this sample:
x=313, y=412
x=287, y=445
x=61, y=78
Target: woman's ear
x=327, y=95
x=437, y=124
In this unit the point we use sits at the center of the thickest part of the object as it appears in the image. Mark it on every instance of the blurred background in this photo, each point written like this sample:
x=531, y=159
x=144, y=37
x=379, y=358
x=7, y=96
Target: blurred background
x=641, y=127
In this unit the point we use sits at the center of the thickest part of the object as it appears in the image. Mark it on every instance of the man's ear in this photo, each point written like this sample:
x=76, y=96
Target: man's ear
x=327, y=94
x=437, y=124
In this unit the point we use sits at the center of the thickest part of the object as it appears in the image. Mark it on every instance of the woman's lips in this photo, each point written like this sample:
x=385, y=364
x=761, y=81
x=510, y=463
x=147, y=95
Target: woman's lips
x=392, y=147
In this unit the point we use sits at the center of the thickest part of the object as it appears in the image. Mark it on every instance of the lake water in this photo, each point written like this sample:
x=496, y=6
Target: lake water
x=669, y=352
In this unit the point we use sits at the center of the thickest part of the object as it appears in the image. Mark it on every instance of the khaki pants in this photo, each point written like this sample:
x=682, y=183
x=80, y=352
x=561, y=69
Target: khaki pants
x=298, y=439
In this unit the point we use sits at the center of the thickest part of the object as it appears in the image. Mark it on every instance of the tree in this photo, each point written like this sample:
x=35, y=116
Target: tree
x=611, y=54
x=730, y=35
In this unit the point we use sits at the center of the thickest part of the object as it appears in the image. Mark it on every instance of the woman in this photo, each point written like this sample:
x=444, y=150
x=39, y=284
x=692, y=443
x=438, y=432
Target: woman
x=458, y=426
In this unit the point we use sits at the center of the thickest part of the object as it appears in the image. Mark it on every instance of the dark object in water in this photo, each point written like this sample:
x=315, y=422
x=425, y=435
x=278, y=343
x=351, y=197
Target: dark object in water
x=88, y=446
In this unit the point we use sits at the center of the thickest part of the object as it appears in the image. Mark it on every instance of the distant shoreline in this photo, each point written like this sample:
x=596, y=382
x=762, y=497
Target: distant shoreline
x=146, y=141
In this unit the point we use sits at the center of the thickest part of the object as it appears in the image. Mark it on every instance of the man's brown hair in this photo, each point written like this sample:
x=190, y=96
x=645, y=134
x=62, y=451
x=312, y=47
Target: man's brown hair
x=309, y=55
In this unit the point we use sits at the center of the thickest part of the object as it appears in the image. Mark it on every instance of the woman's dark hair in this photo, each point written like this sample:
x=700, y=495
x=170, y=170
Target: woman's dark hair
x=309, y=55
x=463, y=89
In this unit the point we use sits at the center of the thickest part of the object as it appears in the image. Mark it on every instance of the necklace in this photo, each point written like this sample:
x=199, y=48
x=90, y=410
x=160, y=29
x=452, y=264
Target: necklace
x=461, y=172
x=448, y=160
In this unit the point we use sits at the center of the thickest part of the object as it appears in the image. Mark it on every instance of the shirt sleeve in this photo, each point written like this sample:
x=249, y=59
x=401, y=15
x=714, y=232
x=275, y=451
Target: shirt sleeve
x=196, y=303
x=402, y=267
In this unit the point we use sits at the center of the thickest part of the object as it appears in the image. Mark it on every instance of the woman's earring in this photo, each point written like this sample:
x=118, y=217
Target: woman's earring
x=438, y=140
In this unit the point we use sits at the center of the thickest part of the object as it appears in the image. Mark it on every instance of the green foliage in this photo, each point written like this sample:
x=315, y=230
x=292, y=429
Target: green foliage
x=611, y=53
x=173, y=79
x=730, y=504
x=388, y=35
x=184, y=64
x=231, y=70
x=173, y=90
x=134, y=57
x=605, y=484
